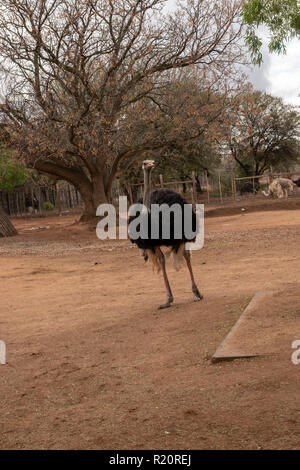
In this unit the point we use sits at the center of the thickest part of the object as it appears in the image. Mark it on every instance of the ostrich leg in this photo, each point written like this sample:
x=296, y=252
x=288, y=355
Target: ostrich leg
x=162, y=262
x=197, y=295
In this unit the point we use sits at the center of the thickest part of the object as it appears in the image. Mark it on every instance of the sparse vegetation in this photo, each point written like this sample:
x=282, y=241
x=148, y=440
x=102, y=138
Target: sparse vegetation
x=48, y=206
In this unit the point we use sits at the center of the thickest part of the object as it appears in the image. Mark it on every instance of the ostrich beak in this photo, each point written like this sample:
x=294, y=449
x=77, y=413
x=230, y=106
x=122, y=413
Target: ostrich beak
x=148, y=164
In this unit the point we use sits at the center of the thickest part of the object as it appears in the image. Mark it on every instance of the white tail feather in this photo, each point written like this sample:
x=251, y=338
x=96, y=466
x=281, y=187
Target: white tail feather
x=178, y=257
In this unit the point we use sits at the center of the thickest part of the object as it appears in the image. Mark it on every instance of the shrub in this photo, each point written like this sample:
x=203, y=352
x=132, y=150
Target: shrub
x=48, y=206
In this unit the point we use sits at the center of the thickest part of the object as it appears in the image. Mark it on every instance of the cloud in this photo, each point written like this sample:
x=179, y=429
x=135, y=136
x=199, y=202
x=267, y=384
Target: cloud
x=279, y=75
x=285, y=74
x=260, y=76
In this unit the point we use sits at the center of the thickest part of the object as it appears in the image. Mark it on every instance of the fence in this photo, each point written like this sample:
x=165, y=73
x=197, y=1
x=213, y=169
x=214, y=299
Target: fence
x=258, y=182
x=206, y=187
x=187, y=188
x=62, y=196
x=217, y=186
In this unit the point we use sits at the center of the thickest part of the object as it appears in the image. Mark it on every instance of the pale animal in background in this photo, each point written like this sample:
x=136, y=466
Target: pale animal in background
x=280, y=187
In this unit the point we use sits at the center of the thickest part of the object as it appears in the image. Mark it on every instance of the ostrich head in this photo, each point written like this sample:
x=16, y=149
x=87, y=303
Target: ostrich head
x=148, y=165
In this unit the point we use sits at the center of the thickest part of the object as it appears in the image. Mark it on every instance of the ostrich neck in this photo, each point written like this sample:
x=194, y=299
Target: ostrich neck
x=147, y=189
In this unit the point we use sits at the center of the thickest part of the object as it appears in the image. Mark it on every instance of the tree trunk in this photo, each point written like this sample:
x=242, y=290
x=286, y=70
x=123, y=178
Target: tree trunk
x=93, y=191
x=93, y=195
x=6, y=227
x=198, y=185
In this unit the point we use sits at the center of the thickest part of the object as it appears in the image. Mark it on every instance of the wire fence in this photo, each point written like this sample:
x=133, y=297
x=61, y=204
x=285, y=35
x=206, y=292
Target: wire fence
x=35, y=198
x=215, y=187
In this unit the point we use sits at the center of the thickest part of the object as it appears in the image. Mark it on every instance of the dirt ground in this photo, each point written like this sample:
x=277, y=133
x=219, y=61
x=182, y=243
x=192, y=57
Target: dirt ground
x=92, y=363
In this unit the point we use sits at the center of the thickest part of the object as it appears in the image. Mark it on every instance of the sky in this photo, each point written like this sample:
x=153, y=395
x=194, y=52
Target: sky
x=279, y=75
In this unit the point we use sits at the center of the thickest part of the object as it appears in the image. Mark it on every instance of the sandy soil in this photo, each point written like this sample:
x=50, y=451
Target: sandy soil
x=91, y=362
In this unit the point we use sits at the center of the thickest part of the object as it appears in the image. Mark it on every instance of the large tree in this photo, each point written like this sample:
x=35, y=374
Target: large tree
x=199, y=110
x=280, y=17
x=79, y=77
x=12, y=174
x=264, y=133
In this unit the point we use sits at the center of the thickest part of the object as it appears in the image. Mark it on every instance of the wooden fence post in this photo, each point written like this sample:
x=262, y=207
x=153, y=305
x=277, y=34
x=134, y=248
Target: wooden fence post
x=32, y=198
x=233, y=187
x=194, y=190
x=70, y=197
x=193, y=198
x=130, y=194
x=220, y=187
x=17, y=204
x=58, y=198
x=40, y=200
x=161, y=181
x=207, y=187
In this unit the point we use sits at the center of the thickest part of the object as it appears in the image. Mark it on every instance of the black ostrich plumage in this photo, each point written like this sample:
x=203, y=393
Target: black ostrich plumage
x=169, y=197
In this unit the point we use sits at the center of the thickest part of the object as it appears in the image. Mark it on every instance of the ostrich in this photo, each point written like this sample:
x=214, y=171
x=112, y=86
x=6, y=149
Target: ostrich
x=274, y=189
x=280, y=187
x=151, y=248
x=287, y=185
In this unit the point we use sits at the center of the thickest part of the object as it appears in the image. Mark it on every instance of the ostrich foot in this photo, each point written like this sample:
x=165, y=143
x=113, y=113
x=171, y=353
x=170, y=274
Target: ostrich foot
x=167, y=303
x=197, y=295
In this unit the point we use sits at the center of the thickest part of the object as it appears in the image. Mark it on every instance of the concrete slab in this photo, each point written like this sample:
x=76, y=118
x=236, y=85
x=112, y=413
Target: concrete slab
x=240, y=341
